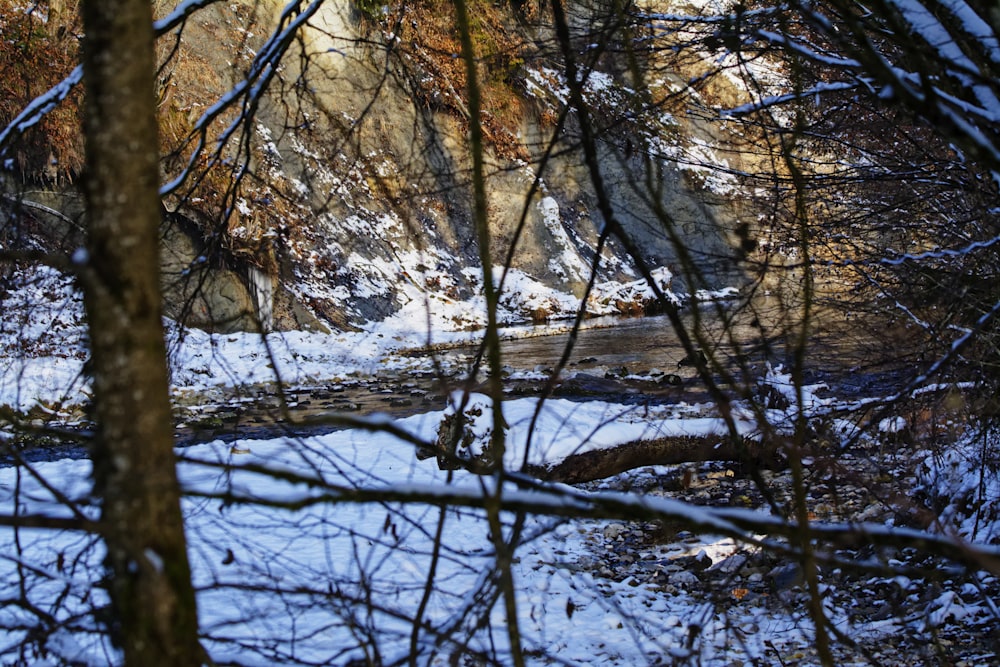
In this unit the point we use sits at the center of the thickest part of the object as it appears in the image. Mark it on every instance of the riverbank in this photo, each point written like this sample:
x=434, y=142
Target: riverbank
x=268, y=520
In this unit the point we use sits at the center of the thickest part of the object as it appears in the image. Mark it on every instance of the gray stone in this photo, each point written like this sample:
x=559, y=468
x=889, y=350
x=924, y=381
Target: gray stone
x=613, y=531
x=785, y=576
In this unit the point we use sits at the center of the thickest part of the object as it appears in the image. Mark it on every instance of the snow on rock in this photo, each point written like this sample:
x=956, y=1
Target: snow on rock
x=466, y=430
x=965, y=478
x=631, y=297
x=524, y=295
x=780, y=391
x=567, y=262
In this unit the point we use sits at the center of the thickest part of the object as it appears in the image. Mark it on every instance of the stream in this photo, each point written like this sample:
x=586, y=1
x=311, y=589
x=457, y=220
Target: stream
x=630, y=361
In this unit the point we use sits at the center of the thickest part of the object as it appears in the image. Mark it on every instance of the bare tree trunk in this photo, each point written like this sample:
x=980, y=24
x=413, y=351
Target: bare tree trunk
x=134, y=464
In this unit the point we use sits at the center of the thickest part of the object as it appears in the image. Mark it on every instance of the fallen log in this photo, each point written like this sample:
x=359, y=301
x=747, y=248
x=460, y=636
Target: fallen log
x=602, y=463
x=464, y=440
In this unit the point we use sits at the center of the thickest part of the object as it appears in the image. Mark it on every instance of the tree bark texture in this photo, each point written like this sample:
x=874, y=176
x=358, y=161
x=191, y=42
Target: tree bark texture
x=153, y=603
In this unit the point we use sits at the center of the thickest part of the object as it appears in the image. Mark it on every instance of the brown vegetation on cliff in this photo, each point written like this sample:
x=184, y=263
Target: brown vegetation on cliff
x=35, y=54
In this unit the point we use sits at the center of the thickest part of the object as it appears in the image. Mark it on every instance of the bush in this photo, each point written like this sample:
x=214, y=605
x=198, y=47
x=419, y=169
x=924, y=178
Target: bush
x=34, y=56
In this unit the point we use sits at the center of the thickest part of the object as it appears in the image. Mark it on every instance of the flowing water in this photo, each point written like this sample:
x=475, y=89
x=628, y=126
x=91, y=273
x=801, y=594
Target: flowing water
x=626, y=360
x=740, y=336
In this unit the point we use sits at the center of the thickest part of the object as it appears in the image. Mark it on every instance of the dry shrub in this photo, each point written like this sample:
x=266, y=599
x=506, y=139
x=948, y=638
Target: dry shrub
x=432, y=45
x=235, y=191
x=34, y=56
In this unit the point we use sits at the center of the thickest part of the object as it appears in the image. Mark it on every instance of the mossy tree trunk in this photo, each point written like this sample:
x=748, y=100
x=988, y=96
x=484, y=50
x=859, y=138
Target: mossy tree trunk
x=153, y=603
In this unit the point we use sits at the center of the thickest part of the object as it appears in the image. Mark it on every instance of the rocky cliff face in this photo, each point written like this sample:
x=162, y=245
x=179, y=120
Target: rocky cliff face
x=339, y=192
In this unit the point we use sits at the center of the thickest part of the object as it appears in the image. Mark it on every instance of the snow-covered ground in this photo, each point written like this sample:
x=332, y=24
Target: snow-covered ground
x=304, y=551
x=310, y=563
x=293, y=568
